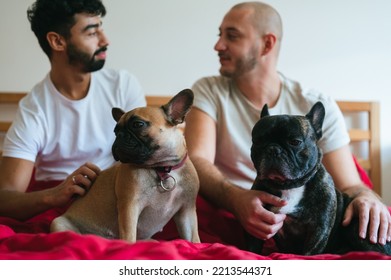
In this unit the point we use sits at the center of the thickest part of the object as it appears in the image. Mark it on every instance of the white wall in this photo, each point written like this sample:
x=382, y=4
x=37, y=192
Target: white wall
x=340, y=47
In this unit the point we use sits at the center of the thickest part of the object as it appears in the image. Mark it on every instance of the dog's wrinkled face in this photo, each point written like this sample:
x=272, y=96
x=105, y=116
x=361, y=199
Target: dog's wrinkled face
x=150, y=136
x=284, y=150
x=134, y=142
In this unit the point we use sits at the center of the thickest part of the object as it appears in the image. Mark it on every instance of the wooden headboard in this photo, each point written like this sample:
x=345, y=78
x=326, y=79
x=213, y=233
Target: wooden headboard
x=369, y=134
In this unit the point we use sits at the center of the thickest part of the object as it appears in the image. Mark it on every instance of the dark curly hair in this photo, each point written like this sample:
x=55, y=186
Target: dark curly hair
x=58, y=16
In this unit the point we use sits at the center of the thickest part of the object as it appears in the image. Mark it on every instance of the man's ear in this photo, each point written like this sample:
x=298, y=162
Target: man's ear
x=269, y=42
x=56, y=41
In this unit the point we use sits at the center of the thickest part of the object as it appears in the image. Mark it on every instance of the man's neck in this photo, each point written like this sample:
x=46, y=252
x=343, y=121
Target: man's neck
x=260, y=89
x=71, y=83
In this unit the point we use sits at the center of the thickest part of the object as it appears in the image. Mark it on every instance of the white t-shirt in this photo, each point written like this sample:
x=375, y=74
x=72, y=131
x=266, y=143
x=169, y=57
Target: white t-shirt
x=60, y=134
x=235, y=117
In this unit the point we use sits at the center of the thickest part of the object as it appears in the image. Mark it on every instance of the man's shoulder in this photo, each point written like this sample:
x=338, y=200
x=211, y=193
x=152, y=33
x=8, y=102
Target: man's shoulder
x=300, y=92
x=213, y=80
x=120, y=80
x=39, y=92
x=212, y=84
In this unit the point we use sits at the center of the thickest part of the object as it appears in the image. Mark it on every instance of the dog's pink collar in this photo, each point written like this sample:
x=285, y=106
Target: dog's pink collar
x=163, y=171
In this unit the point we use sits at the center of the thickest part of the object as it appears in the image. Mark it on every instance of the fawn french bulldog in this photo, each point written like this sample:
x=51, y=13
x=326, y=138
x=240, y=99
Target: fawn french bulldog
x=154, y=181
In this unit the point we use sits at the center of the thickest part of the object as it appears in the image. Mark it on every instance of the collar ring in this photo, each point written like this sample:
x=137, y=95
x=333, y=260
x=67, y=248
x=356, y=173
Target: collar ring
x=167, y=188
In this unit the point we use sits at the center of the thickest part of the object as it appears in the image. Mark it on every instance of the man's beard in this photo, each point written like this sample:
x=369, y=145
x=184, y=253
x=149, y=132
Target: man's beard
x=88, y=63
x=242, y=66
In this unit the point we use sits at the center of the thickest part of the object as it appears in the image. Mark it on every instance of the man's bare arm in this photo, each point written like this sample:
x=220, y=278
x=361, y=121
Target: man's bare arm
x=374, y=216
x=15, y=175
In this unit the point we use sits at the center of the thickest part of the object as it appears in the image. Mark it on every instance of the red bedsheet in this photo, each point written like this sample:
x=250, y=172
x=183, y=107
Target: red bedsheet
x=221, y=235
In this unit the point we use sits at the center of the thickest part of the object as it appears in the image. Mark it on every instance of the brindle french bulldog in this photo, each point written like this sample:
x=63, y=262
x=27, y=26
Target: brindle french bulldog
x=288, y=163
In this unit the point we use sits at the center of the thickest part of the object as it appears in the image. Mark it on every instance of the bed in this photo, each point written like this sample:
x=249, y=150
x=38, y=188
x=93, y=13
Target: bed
x=221, y=235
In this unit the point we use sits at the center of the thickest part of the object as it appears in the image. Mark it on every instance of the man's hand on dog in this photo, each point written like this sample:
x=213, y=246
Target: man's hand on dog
x=257, y=220
x=374, y=217
x=78, y=183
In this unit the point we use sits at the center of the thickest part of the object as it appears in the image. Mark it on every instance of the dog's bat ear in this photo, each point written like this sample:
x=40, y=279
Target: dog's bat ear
x=265, y=111
x=117, y=113
x=316, y=117
x=178, y=107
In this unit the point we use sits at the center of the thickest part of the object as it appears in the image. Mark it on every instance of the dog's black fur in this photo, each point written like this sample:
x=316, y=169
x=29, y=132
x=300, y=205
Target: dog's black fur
x=288, y=163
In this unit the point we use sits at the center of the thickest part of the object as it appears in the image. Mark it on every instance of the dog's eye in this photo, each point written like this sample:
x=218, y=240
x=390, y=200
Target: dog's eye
x=294, y=142
x=138, y=124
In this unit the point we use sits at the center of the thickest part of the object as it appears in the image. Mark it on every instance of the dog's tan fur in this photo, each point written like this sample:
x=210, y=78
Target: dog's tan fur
x=126, y=200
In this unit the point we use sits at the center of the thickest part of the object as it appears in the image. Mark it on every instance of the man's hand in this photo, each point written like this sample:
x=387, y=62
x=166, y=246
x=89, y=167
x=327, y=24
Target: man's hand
x=259, y=222
x=78, y=183
x=374, y=217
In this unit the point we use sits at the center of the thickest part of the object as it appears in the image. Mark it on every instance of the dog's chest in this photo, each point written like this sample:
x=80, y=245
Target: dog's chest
x=293, y=197
x=157, y=205
x=159, y=192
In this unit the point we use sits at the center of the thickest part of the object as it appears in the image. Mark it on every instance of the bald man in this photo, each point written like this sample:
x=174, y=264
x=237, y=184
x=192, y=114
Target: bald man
x=226, y=107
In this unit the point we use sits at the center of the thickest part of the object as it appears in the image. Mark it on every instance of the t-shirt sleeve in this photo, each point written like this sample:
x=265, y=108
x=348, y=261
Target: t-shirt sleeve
x=205, y=99
x=24, y=137
x=335, y=133
x=132, y=93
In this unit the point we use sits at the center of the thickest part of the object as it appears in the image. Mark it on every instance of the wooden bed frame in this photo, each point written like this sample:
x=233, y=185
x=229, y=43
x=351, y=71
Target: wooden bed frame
x=370, y=134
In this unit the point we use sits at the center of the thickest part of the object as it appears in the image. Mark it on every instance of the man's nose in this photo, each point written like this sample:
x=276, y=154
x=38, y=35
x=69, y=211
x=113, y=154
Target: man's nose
x=220, y=45
x=103, y=40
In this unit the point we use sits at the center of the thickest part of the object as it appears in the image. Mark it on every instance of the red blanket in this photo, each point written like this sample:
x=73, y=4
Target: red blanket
x=221, y=235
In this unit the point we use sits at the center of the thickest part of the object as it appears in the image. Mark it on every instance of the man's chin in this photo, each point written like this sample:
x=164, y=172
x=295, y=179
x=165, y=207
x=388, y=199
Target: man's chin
x=225, y=73
x=96, y=66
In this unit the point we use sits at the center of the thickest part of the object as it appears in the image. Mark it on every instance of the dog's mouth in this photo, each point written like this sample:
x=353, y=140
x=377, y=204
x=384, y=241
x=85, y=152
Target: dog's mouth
x=275, y=176
x=135, y=156
x=283, y=178
x=131, y=149
x=277, y=180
